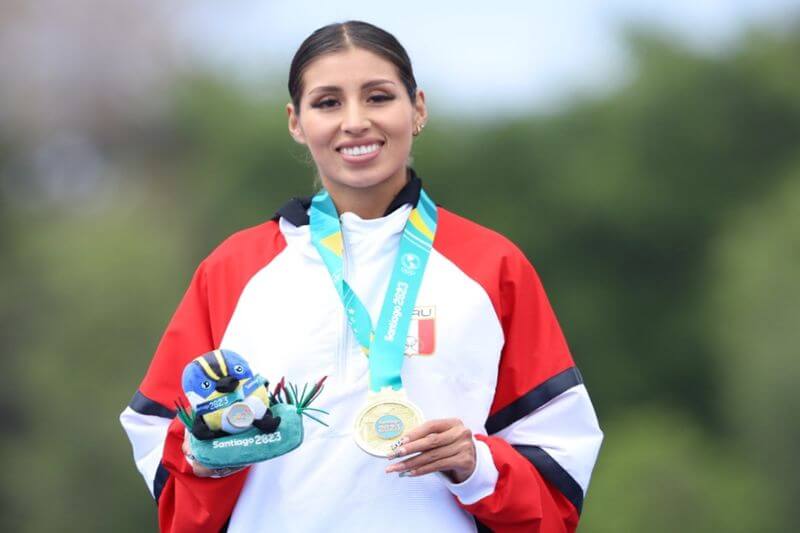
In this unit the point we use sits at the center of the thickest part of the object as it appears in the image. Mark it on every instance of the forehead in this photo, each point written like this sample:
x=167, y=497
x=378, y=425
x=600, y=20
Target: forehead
x=350, y=67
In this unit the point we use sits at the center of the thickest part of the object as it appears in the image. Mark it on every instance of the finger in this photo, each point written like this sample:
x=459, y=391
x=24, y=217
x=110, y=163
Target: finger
x=429, y=456
x=224, y=472
x=186, y=448
x=459, y=461
x=199, y=470
x=434, y=440
x=203, y=471
x=431, y=426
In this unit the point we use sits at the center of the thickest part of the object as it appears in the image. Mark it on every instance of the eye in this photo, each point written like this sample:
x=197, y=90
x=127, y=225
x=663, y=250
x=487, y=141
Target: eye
x=381, y=97
x=239, y=369
x=325, y=103
x=205, y=384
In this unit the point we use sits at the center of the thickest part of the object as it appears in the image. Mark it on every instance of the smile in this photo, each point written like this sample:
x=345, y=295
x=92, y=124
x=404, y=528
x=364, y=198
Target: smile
x=360, y=154
x=360, y=150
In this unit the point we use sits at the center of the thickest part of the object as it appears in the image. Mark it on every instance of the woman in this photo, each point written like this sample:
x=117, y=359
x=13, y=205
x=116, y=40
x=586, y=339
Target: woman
x=511, y=436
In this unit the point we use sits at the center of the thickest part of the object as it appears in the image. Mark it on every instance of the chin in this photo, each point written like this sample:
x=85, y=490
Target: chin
x=363, y=179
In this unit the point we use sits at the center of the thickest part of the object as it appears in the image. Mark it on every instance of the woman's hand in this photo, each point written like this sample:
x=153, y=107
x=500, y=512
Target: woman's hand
x=200, y=470
x=443, y=445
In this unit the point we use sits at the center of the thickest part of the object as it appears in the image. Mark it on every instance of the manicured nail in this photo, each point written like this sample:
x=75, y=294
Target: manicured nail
x=399, y=442
x=404, y=474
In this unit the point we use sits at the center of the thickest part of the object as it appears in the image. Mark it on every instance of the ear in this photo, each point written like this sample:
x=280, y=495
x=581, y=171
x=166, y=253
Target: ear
x=294, y=125
x=420, y=109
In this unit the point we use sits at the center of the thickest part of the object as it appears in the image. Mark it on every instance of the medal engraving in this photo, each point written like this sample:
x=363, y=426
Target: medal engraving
x=386, y=418
x=240, y=415
x=389, y=427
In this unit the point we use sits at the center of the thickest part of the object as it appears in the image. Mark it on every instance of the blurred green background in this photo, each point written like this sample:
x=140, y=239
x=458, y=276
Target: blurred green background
x=663, y=217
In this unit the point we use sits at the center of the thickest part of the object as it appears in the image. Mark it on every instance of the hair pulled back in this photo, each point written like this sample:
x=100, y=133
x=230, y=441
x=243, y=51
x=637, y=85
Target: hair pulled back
x=351, y=34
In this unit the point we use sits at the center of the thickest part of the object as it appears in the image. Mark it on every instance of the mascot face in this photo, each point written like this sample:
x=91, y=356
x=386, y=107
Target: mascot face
x=214, y=374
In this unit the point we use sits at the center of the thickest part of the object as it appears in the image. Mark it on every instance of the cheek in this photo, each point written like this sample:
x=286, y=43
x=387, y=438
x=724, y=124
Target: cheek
x=402, y=139
x=398, y=126
x=319, y=133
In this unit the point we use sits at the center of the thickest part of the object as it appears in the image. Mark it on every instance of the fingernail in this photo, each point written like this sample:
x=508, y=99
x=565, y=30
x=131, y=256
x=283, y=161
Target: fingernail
x=399, y=442
x=404, y=474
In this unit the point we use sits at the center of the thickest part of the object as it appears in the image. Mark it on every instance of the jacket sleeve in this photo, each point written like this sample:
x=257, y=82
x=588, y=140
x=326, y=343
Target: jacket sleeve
x=543, y=437
x=185, y=502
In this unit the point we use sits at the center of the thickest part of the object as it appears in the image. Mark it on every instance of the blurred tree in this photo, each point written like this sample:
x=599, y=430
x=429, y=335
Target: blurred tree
x=754, y=316
x=618, y=200
x=661, y=473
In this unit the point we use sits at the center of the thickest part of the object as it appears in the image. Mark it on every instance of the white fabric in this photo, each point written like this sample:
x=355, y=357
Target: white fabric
x=566, y=428
x=289, y=322
x=147, y=434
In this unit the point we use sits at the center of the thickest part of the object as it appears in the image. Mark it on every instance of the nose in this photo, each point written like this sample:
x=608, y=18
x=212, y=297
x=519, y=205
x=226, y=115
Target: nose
x=227, y=384
x=355, y=120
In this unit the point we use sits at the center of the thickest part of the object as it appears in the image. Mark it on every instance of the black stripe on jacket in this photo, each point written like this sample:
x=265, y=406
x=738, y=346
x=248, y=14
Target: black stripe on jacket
x=162, y=475
x=554, y=473
x=533, y=399
x=145, y=406
x=547, y=466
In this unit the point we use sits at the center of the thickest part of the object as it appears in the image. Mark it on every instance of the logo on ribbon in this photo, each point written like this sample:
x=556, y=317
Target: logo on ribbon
x=410, y=264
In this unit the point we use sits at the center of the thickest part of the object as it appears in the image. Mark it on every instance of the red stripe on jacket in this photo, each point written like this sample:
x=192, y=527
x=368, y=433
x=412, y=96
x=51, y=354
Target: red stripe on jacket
x=188, y=503
x=533, y=352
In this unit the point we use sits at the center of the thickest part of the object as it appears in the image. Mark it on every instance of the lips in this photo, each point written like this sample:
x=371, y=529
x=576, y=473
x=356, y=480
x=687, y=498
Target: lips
x=358, y=143
x=361, y=152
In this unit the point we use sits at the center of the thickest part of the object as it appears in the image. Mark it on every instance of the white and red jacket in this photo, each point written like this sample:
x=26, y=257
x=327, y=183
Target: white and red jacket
x=484, y=346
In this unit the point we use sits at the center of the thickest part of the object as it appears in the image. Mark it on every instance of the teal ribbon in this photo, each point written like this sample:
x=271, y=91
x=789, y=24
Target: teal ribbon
x=221, y=402
x=385, y=344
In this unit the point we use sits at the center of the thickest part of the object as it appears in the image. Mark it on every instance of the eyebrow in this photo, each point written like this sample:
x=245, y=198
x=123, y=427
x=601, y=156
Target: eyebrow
x=335, y=88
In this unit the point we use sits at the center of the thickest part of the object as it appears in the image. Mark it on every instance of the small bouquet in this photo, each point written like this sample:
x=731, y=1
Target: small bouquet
x=233, y=418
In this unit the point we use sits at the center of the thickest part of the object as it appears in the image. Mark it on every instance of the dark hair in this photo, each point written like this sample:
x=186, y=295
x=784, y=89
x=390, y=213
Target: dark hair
x=351, y=34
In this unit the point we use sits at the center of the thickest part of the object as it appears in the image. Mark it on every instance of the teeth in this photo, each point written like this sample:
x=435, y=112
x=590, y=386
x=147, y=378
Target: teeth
x=360, y=150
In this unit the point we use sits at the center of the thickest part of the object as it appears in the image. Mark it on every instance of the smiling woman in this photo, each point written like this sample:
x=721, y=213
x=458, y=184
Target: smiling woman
x=356, y=113
x=440, y=345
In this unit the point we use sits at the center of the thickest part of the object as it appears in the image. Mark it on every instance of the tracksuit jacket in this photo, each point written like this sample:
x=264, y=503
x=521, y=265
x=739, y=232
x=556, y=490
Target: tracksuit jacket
x=484, y=346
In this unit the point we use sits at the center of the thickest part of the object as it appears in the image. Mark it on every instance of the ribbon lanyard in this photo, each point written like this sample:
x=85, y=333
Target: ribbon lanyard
x=385, y=345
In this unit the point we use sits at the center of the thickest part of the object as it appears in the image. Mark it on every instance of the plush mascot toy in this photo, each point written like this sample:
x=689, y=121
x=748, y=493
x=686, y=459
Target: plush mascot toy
x=226, y=397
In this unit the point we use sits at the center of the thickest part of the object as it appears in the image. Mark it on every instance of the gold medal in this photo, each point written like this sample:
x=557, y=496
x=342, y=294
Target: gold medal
x=387, y=416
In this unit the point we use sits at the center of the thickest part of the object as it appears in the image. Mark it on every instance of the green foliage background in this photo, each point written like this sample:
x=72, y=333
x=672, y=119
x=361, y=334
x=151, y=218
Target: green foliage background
x=664, y=220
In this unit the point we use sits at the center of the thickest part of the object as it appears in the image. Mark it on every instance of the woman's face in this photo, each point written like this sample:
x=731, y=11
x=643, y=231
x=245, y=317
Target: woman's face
x=356, y=118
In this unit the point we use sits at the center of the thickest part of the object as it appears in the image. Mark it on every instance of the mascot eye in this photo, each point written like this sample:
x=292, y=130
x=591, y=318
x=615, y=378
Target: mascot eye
x=239, y=369
x=206, y=384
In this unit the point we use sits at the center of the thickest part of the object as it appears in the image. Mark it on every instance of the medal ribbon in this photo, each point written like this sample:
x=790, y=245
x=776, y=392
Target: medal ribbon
x=385, y=345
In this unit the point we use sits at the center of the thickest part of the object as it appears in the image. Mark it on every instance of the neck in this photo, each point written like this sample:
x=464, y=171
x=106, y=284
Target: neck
x=367, y=202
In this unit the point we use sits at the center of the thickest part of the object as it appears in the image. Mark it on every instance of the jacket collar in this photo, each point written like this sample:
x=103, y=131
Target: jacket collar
x=296, y=209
